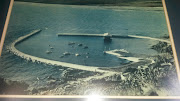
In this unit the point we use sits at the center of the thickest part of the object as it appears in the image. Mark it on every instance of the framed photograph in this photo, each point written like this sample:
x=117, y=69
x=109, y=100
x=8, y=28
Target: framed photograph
x=96, y=48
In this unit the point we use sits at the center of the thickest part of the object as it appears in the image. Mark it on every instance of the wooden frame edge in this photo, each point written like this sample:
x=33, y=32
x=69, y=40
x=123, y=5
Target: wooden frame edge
x=6, y=25
x=171, y=39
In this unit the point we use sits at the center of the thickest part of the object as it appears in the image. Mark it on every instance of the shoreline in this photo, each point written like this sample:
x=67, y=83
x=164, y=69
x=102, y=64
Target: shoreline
x=120, y=77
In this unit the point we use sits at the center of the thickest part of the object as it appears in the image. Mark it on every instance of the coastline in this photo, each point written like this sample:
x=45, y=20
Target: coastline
x=143, y=78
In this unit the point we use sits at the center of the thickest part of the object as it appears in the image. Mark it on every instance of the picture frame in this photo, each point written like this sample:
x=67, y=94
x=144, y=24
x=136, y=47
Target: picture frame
x=6, y=7
x=121, y=97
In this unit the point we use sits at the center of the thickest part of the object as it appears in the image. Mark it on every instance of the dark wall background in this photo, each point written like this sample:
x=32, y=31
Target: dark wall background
x=4, y=5
x=173, y=7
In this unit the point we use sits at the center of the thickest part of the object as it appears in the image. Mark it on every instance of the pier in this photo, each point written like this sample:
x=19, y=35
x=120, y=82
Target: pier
x=95, y=35
x=109, y=36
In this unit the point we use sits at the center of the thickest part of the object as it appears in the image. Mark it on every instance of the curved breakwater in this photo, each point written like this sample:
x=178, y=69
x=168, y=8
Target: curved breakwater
x=27, y=57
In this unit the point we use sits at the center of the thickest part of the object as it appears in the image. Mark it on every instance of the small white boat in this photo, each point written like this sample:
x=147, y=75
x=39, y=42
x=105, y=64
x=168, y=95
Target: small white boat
x=66, y=53
x=77, y=55
x=62, y=56
x=71, y=43
x=48, y=52
x=80, y=44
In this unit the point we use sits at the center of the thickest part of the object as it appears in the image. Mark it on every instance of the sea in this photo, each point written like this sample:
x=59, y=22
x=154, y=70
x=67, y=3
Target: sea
x=56, y=18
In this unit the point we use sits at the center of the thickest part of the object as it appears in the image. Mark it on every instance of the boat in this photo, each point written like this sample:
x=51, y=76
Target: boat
x=85, y=47
x=48, y=52
x=66, y=53
x=71, y=43
x=80, y=44
x=77, y=54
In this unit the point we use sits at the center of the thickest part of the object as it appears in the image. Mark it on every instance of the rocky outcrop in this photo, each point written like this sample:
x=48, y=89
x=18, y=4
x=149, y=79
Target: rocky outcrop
x=162, y=47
